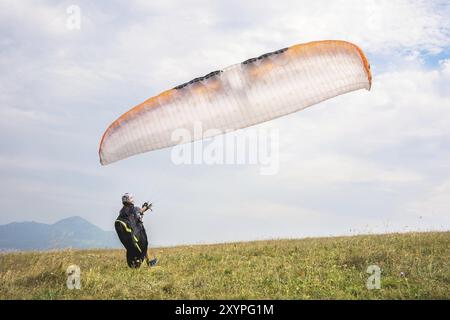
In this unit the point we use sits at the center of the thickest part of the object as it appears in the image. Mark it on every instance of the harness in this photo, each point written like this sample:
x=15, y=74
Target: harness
x=129, y=230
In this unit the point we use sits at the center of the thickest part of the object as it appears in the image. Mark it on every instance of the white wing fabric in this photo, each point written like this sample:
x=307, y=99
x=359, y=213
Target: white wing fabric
x=244, y=94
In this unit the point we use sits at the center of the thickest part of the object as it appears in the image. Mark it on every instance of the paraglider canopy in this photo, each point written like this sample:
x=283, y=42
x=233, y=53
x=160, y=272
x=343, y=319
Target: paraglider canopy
x=256, y=90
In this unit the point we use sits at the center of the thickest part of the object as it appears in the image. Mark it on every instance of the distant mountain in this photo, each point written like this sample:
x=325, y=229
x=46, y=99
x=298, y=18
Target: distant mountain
x=73, y=232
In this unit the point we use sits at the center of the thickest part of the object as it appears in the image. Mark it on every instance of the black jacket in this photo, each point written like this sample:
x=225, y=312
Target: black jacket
x=131, y=232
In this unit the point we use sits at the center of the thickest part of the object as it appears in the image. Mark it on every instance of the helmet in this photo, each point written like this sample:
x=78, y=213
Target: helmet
x=127, y=198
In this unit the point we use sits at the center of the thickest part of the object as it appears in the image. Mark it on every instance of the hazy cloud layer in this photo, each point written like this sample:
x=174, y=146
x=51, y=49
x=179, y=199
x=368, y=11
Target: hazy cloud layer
x=368, y=161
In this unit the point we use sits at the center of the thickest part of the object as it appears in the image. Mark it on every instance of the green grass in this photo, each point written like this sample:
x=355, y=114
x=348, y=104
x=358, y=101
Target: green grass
x=414, y=266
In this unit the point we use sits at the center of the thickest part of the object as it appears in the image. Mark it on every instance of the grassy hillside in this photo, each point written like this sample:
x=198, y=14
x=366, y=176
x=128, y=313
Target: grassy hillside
x=414, y=265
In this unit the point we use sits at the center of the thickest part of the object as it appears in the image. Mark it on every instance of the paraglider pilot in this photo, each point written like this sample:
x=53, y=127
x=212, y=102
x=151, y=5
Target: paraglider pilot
x=130, y=229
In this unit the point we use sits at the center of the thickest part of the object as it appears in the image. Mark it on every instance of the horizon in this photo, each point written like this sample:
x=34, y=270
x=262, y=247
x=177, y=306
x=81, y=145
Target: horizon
x=353, y=233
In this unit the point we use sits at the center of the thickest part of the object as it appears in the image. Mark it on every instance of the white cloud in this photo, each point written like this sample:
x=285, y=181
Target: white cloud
x=432, y=204
x=326, y=169
x=378, y=26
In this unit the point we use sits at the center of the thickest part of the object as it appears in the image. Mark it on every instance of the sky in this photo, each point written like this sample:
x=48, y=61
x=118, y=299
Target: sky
x=364, y=162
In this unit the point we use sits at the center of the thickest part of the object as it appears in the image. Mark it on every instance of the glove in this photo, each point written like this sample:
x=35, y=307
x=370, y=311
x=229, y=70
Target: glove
x=147, y=205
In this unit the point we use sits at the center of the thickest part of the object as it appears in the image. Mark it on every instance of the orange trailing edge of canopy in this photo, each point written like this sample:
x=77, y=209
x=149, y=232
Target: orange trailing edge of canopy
x=275, y=84
x=341, y=43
